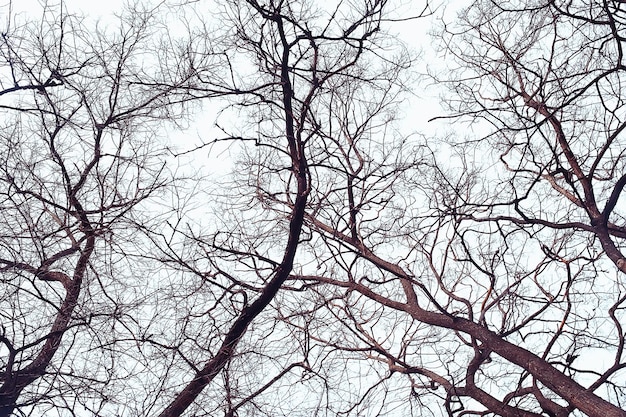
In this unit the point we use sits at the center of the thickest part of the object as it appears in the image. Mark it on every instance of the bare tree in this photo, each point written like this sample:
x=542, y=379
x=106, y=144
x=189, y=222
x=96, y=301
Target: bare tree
x=307, y=66
x=80, y=153
x=527, y=254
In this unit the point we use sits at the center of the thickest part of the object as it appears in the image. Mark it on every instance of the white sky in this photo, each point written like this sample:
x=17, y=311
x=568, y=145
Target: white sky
x=417, y=111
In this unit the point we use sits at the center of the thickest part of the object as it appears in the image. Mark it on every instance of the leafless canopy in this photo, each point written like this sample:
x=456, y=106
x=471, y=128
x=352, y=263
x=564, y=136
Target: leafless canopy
x=343, y=266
